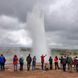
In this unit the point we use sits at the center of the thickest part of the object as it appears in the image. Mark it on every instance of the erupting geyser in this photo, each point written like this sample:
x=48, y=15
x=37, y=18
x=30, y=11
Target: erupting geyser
x=35, y=22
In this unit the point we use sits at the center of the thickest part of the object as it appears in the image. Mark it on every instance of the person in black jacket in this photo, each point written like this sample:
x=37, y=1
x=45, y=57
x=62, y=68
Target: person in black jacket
x=21, y=62
x=64, y=63
x=28, y=59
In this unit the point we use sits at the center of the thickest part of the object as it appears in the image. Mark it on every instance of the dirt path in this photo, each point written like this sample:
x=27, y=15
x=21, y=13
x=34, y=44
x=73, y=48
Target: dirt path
x=37, y=74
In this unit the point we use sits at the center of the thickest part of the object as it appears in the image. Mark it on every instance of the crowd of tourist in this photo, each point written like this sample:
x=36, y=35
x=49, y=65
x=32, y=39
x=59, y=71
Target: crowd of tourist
x=65, y=63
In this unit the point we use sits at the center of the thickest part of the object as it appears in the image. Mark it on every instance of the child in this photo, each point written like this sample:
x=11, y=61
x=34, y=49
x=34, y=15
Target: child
x=46, y=67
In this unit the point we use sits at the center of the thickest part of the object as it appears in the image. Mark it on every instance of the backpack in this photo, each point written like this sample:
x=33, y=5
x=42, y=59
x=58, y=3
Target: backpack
x=21, y=60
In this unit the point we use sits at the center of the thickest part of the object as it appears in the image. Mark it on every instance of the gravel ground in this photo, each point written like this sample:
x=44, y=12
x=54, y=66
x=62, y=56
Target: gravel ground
x=37, y=74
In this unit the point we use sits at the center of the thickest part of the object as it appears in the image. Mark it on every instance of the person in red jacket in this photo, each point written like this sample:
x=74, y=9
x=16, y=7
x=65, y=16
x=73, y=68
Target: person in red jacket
x=56, y=62
x=42, y=61
x=15, y=62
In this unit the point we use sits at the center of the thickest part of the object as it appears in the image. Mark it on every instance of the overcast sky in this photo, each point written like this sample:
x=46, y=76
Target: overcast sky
x=61, y=22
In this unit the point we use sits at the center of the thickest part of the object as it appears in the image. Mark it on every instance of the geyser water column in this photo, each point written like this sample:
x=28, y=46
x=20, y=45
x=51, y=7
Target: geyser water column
x=35, y=22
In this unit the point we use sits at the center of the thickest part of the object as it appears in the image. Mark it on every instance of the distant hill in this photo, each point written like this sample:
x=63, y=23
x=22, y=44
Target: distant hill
x=64, y=51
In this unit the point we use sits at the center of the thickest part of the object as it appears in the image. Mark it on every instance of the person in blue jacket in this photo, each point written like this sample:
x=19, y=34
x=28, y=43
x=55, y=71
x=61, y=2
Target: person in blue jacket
x=34, y=63
x=2, y=62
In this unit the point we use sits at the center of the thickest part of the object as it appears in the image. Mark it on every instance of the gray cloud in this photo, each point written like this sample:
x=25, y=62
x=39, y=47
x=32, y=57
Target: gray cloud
x=60, y=21
x=10, y=23
x=13, y=32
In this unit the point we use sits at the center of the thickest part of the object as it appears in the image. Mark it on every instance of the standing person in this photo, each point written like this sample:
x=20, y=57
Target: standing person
x=70, y=64
x=33, y=63
x=76, y=63
x=61, y=62
x=21, y=62
x=2, y=62
x=28, y=59
x=56, y=62
x=64, y=63
x=15, y=62
x=42, y=61
x=51, y=63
